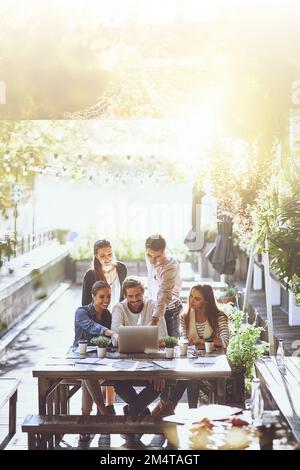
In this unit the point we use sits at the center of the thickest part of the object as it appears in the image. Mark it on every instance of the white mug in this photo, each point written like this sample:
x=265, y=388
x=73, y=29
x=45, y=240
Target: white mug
x=183, y=348
x=209, y=346
x=82, y=347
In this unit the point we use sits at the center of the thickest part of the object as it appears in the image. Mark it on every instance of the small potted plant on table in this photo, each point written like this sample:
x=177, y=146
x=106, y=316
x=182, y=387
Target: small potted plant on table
x=170, y=343
x=102, y=343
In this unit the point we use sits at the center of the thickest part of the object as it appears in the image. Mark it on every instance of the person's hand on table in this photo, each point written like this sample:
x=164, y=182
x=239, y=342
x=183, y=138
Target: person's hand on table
x=154, y=321
x=199, y=343
x=158, y=384
x=115, y=339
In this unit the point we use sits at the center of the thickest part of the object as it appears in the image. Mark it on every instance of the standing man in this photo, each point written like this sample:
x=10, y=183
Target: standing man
x=164, y=284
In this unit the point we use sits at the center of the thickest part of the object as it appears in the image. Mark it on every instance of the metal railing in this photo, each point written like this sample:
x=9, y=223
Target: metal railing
x=12, y=248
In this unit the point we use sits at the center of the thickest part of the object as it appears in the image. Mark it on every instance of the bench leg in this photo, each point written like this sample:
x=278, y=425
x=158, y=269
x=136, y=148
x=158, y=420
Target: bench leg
x=13, y=413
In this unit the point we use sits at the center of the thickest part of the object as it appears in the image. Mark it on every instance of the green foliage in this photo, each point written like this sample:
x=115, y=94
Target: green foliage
x=129, y=250
x=244, y=346
x=101, y=341
x=231, y=291
x=278, y=225
x=82, y=249
x=170, y=341
x=3, y=326
x=210, y=233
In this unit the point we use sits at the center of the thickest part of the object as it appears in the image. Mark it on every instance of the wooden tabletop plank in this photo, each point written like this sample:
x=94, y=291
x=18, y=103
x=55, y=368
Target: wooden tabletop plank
x=290, y=364
x=182, y=368
x=281, y=374
x=286, y=397
x=296, y=361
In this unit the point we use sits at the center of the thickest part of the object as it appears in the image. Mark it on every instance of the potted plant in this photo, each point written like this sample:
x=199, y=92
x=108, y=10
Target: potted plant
x=61, y=234
x=278, y=226
x=170, y=343
x=243, y=349
x=102, y=343
x=229, y=296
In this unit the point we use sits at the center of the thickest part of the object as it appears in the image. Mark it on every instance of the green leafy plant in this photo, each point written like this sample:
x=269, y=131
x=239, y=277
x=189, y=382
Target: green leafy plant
x=244, y=346
x=170, y=341
x=231, y=291
x=101, y=341
x=129, y=250
x=278, y=229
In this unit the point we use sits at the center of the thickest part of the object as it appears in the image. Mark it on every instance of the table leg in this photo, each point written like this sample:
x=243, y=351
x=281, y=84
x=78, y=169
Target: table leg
x=221, y=391
x=13, y=413
x=43, y=386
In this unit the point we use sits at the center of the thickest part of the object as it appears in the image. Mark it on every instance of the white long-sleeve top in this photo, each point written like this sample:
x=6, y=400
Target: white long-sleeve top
x=123, y=316
x=164, y=284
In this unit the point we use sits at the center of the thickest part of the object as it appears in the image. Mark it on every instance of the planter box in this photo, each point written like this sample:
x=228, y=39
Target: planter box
x=294, y=310
x=275, y=292
x=257, y=277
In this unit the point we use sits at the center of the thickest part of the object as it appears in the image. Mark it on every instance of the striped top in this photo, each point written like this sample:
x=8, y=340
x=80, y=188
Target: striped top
x=223, y=330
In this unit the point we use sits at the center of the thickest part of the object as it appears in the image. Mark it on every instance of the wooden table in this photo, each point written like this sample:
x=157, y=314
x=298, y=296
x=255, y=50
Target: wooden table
x=9, y=393
x=281, y=388
x=50, y=375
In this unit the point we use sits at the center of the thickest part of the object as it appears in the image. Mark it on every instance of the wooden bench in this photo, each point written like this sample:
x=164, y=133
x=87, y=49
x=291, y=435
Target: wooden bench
x=281, y=389
x=9, y=393
x=43, y=429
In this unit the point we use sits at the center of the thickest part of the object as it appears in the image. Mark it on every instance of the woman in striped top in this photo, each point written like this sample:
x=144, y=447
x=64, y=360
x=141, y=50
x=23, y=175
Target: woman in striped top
x=203, y=320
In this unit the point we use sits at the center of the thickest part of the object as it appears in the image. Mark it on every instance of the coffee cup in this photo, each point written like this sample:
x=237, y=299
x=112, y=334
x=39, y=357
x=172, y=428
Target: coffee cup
x=183, y=349
x=82, y=346
x=209, y=346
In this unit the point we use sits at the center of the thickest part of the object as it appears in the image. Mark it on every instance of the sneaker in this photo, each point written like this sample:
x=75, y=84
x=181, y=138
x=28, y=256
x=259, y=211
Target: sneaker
x=166, y=409
x=110, y=409
x=157, y=408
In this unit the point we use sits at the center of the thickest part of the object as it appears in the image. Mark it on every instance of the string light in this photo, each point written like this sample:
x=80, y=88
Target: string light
x=90, y=182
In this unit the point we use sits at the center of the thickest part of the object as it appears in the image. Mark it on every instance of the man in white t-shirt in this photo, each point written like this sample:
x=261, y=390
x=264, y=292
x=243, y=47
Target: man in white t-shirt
x=136, y=310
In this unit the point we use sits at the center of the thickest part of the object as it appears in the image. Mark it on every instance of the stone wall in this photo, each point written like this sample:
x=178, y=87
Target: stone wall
x=21, y=296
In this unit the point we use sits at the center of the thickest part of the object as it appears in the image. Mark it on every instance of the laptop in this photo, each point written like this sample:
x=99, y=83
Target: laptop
x=137, y=339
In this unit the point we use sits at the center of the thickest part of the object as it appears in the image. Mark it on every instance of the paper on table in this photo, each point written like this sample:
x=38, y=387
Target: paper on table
x=205, y=360
x=165, y=364
x=93, y=360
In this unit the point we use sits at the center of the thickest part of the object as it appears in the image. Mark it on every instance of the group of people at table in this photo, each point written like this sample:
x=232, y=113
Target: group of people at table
x=111, y=299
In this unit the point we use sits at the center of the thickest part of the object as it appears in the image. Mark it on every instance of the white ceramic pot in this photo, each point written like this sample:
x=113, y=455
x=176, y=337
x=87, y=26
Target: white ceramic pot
x=169, y=353
x=101, y=352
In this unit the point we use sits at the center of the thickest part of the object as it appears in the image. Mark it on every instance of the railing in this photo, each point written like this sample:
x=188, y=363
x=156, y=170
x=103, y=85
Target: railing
x=11, y=248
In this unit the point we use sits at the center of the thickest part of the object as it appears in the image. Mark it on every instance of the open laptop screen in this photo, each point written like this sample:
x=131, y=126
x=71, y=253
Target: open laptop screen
x=134, y=339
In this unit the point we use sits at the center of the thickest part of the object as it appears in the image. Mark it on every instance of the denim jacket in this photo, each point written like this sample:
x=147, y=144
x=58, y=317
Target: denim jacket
x=86, y=326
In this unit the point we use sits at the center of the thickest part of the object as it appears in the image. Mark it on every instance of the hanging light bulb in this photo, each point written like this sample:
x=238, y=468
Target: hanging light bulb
x=90, y=182
x=79, y=160
x=31, y=160
x=24, y=172
x=7, y=156
x=128, y=159
x=7, y=169
x=57, y=176
x=55, y=156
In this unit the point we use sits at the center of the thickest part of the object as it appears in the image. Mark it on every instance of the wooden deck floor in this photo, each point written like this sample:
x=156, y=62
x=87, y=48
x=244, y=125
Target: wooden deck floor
x=289, y=334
